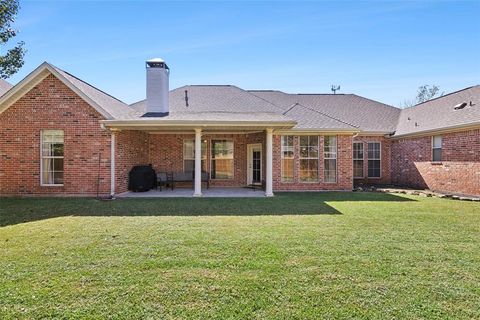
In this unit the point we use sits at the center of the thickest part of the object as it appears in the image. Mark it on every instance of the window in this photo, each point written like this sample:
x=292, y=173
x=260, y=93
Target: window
x=374, y=160
x=437, y=148
x=189, y=155
x=287, y=159
x=330, y=158
x=358, y=160
x=308, y=159
x=51, y=165
x=222, y=159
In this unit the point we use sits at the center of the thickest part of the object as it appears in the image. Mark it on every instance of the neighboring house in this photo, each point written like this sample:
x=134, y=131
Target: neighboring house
x=61, y=136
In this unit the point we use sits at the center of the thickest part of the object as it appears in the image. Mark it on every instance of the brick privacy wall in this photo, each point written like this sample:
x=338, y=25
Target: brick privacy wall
x=385, y=161
x=131, y=149
x=166, y=154
x=459, y=171
x=344, y=167
x=52, y=105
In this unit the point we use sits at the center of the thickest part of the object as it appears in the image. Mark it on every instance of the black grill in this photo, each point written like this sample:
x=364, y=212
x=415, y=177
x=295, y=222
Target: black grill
x=141, y=178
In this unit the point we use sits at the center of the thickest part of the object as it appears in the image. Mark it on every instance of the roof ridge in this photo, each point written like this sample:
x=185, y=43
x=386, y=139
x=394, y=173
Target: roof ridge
x=387, y=105
x=320, y=94
x=265, y=90
x=229, y=112
x=324, y=114
x=443, y=96
x=268, y=101
x=88, y=84
x=208, y=85
x=293, y=106
x=131, y=104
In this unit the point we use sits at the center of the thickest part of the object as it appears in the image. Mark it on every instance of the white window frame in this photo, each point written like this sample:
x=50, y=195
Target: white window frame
x=212, y=159
x=359, y=159
x=203, y=158
x=330, y=158
x=42, y=184
x=380, y=160
x=434, y=148
x=300, y=158
x=282, y=149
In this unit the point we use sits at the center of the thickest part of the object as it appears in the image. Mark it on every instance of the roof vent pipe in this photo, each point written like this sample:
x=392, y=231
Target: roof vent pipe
x=157, y=88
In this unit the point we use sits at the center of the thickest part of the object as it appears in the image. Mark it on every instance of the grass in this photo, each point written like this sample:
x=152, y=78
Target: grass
x=296, y=256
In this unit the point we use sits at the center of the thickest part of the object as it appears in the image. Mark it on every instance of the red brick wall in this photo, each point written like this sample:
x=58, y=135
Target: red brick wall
x=131, y=149
x=459, y=171
x=344, y=167
x=52, y=105
x=166, y=154
x=385, y=161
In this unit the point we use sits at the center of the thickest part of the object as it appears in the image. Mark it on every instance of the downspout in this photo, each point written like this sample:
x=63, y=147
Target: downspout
x=112, y=165
x=353, y=180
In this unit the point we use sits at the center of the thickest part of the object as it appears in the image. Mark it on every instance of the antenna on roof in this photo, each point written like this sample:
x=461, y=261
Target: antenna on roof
x=335, y=88
x=186, y=98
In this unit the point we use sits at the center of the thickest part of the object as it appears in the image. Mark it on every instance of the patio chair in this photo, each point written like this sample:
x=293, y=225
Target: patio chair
x=181, y=177
x=164, y=179
x=189, y=176
x=205, y=177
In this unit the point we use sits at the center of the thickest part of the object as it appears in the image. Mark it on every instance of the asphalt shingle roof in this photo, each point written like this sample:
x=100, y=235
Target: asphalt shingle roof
x=307, y=110
x=441, y=113
x=362, y=113
x=115, y=107
x=310, y=111
x=310, y=118
x=214, y=103
x=4, y=87
x=216, y=117
x=214, y=98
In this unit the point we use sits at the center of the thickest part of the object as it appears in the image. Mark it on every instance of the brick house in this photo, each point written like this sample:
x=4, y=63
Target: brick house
x=61, y=136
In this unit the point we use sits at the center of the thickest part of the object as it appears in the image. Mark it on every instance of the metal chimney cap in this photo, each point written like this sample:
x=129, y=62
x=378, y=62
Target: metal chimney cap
x=157, y=63
x=156, y=60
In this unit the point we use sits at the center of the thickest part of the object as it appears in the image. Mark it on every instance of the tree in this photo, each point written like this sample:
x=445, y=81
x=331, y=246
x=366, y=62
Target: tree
x=424, y=93
x=12, y=60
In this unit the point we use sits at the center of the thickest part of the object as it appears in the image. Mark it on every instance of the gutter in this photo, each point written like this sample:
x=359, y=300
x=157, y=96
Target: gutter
x=316, y=131
x=462, y=127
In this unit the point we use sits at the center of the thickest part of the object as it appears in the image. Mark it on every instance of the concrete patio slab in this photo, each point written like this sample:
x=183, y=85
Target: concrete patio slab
x=188, y=193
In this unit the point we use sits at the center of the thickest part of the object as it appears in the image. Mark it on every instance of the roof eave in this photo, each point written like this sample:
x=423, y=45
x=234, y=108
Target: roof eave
x=34, y=78
x=300, y=131
x=376, y=133
x=461, y=127
x=144, y=124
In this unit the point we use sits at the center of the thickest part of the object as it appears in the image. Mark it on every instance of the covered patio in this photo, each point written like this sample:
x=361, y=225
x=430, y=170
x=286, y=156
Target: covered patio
x=248, y=138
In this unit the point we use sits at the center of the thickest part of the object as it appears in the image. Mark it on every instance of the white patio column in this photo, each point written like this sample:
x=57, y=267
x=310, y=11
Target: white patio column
x=198, y=163
x=269, y=171
x=112, y=164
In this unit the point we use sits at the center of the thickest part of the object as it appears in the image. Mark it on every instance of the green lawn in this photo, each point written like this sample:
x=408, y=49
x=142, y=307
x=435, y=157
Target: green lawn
x=295, y=256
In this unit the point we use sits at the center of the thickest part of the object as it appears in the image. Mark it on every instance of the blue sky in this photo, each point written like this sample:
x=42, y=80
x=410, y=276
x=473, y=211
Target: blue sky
x=382, y=50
